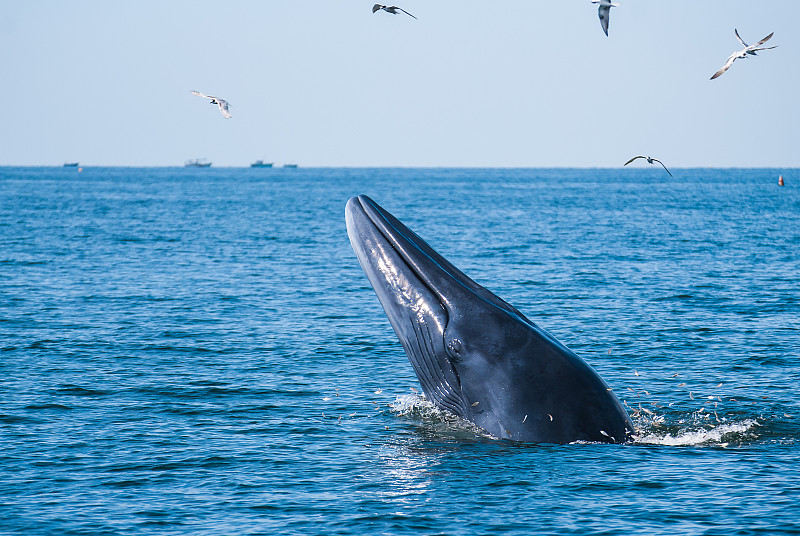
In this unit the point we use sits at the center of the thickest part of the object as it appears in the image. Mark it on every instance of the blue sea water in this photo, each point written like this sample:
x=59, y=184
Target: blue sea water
x=197, y=351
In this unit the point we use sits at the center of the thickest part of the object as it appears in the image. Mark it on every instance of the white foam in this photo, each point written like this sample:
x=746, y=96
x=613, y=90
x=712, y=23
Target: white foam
x=404, y=404
x=421, y=409
x=720, y=435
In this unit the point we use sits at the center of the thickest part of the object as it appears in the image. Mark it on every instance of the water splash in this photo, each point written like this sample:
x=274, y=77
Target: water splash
x=419, y=407
x=423, y=411
x=694, y=429
x=696, y=432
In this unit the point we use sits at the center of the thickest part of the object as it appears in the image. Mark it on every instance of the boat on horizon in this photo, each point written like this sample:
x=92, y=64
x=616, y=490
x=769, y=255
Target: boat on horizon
x=70, y=164
x=290, y=165
x=261, y=163
x=197, y=162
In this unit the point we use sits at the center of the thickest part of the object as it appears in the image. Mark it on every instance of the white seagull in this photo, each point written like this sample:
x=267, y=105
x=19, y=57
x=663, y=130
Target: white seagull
x=222, y=103
x=742, y=54
x=604, y=11
x=391, y=9
x=650, y=160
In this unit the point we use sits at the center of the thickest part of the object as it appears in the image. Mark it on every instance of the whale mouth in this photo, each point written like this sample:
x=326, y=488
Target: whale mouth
x=408, y=275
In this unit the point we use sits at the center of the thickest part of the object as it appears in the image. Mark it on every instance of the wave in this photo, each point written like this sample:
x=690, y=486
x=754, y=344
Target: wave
x=692, y=430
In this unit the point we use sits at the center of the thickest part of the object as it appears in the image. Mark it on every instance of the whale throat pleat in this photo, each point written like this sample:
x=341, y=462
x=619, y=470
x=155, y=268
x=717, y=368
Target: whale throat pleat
x=437, y=377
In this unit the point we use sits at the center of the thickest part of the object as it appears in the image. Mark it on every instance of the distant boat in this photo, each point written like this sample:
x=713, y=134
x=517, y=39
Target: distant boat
x=70, y=164
x=290, y=165
x=261, y=163
x=197, y=162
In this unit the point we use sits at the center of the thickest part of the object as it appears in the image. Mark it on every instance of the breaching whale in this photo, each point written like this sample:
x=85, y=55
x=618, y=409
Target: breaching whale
x=474, y=354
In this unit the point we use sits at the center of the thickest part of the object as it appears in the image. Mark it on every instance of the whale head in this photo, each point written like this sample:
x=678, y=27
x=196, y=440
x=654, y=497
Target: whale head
x=474, y=354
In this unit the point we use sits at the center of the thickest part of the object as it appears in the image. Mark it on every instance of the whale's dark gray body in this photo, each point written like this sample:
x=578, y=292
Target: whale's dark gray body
x=474, y=354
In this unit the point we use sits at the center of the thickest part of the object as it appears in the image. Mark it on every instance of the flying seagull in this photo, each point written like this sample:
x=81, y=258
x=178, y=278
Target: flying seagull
x=650, y=160
x=222, y=103
x=742, y=54
x=604, y=11
x=391, y=9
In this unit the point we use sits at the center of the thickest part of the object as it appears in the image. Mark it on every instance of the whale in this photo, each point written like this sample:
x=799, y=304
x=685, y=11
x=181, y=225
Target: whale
x=474, y=354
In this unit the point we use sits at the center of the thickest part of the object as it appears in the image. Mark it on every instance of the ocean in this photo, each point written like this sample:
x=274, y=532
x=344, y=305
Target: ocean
x=197, y=352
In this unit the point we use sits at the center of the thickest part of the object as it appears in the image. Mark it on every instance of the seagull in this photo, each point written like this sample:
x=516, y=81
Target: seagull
x=222, y=103
x=742, y=54
x=650, y=160
x=604, y=11
x=391, y=9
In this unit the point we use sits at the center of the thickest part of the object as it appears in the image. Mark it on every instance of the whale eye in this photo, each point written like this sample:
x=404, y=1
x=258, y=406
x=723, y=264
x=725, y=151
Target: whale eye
x=455, y=346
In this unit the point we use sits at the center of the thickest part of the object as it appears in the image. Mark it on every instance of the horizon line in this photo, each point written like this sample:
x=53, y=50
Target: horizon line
x=298, y=166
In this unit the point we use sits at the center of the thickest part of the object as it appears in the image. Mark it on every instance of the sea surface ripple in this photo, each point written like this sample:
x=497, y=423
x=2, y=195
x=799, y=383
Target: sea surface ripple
x=197, y=351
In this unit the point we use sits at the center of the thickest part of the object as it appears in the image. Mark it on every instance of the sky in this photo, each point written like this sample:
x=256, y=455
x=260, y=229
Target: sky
x=515, y=83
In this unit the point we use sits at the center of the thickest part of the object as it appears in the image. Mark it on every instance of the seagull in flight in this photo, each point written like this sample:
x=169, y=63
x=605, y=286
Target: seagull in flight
x=391, y=9
x=650, y=160
x=742, y=54
x=604, y=11
x=222, y=103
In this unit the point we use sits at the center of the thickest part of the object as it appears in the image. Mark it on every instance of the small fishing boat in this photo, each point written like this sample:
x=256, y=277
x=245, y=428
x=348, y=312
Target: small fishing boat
x=70, y=164
x=290, y=165
x=261, y=163
x=197, y=162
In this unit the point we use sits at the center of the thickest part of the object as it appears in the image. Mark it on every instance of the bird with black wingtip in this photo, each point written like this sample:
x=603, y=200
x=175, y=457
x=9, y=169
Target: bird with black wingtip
x=391, y=9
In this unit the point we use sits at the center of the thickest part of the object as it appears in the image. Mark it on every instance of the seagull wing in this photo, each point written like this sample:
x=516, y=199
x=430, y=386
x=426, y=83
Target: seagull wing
x=407, y=13
x=197, y=93
x=223, y=107
x=632, y=159
x=726, y=66
x=376, y=7
x=739, y=38
x=763, y=48
x=603, y=12
x=662, y=165
x=762, y=41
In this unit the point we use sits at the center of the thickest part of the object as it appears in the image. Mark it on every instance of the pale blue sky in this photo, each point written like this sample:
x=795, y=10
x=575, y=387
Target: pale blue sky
x=328, y=83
